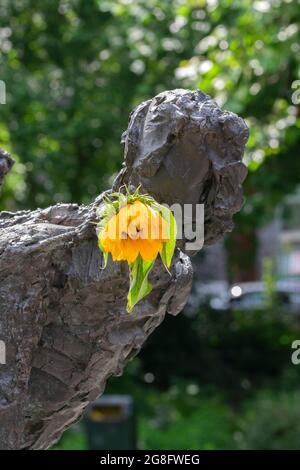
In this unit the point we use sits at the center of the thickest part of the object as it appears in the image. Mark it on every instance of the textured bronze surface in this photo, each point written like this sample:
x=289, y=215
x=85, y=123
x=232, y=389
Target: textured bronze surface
x=62, y=318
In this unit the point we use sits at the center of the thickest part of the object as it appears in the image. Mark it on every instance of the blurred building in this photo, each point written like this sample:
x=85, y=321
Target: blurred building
x=289, y=238
x=279, y=240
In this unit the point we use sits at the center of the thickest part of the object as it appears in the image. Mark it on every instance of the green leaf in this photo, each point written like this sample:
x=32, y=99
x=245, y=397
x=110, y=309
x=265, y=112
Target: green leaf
x=119, y=201
x=139, y=284
x=108, y=211
x=105, y=254
x=169, y=246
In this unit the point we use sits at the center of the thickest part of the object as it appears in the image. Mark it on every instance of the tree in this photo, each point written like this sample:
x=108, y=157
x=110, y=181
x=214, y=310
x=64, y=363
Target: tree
x=249, y=61
x=74, y=69
x=73, y=72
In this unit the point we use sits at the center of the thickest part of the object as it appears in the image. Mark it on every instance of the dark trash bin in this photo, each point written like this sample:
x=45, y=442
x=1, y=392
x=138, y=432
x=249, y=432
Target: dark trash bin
x=110, y=423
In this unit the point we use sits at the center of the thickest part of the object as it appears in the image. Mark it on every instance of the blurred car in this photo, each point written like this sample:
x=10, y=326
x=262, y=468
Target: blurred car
x=252, y=295
x=202, y=293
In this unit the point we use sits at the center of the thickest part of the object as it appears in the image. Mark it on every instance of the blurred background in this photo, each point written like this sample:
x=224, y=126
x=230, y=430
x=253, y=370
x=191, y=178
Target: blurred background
x=220, y=375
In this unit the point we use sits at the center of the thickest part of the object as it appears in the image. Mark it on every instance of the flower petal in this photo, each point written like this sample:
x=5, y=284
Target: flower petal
x=149, y=249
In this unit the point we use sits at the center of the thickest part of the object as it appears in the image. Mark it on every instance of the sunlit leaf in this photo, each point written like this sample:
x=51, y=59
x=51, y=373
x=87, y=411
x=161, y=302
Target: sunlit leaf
x=139, y=284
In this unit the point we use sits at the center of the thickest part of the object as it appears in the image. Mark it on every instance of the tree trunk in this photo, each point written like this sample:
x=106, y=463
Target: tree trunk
x=63, y=320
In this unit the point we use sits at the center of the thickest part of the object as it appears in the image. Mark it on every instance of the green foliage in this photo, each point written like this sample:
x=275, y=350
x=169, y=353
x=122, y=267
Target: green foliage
x=73, y=439
x=180, y=421
x=249, y=60
x=139, y=284
x=235, y=352
x=269, y=280
x=217, y=381
x=183, y=418
x=271, y=421
x=220, y=380
x=74, y=70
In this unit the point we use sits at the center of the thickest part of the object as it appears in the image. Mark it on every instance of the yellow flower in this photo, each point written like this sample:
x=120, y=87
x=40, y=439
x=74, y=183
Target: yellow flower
x=136, y=229
x=136, y=233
